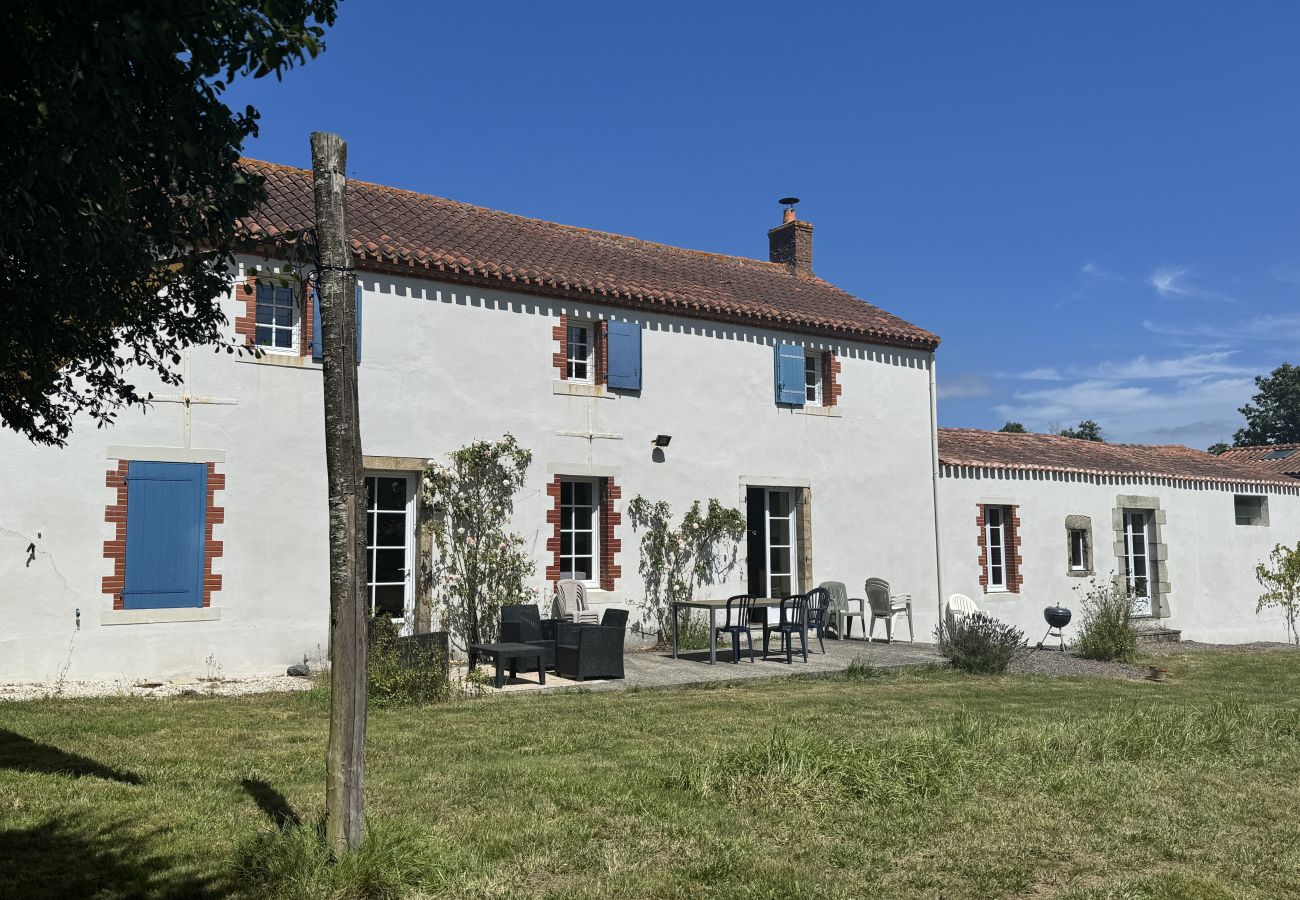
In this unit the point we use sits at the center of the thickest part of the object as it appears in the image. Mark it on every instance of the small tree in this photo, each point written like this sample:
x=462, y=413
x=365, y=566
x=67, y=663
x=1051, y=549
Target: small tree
x=1013, y=428
x=1217, y=449
x=1087, y=430
x=479, y=564
x=1280, y=577
x=674, y=560
x=1273, y=416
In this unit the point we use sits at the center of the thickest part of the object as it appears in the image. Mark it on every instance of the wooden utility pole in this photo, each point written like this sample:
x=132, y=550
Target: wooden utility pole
x=345, y=764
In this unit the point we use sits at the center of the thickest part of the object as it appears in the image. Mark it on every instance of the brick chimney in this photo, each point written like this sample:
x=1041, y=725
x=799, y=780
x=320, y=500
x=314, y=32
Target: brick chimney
x=791, y=241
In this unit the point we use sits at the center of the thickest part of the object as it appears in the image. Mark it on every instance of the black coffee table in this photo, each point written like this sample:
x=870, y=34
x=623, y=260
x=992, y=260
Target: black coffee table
x=509, y=655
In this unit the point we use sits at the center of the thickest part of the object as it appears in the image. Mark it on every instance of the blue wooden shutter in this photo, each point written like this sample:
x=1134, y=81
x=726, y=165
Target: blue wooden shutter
x=789, y=374
x=166, y=518
x=317, y=344
x=624, y=348
x=358, y=323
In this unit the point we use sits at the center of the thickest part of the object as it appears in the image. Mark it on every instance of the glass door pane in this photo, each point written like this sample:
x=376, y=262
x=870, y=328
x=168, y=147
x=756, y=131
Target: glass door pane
x=781, y=541
x=1137, y=561
x=388, y=545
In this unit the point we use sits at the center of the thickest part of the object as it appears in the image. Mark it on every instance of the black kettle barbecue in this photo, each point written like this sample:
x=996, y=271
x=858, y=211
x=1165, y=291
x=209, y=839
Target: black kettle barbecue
x=1057, y=618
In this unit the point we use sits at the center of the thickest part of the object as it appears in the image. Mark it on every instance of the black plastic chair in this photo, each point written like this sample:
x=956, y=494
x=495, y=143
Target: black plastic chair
x=791, y=623
x=742, y=604
x=523, y=624
x=819, y=600
x=614, y=618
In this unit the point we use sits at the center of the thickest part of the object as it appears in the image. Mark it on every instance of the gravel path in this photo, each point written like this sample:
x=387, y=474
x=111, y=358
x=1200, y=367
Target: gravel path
x=1054, y=663
x=222, y=687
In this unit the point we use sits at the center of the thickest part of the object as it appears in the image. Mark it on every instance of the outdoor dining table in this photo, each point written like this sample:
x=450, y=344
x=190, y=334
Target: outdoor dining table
x=713, y=606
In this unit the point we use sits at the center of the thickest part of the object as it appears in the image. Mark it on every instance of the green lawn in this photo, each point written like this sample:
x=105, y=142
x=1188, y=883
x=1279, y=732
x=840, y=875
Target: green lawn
x=921, y=785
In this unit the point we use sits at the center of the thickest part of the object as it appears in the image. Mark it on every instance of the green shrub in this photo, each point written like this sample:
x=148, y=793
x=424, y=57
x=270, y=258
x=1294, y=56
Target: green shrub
x=404, y=674
x=980, y=643
x=1106, y=624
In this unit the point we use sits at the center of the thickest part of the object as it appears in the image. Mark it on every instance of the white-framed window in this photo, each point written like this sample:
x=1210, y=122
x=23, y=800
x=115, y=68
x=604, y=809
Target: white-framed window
x=278, y=318
x=782, y=560
x=580, y=530
x=581, y=353
x=995, y=546
x=1250, y=509
x=812, y=379
x=1078, y=550
x=1138, y=565
x=389, y=516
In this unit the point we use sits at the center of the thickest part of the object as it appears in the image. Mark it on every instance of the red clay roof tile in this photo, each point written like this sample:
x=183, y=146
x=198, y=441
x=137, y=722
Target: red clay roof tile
x=472, y=244
x=1054, y=453
x=1285, y=458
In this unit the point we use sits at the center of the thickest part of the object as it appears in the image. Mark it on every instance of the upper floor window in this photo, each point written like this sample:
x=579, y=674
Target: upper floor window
x=1250, y=510
x=812, y=379
x=278, y=320
x=580, y=361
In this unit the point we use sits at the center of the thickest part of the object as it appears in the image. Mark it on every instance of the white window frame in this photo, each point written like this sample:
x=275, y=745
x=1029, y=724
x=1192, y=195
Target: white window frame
x=995, y=535
x=1081, y=536
x=814, y=366
x=294, y=329
x=792, y=530
x=1138, y=521
x=372, y=510
x=596, y=519
x=572, y=361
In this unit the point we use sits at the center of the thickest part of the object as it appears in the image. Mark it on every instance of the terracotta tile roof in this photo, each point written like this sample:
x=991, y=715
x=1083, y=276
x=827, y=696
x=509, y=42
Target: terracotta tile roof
x=395, y=229
x=1051, y=452
x=1276, y=459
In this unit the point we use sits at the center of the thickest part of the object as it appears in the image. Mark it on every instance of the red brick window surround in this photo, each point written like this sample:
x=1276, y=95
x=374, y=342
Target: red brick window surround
x=246, y=311
x=598, y=330
x=608, y=519
x=1011, y=558
x=115, y=549
x=831, y=387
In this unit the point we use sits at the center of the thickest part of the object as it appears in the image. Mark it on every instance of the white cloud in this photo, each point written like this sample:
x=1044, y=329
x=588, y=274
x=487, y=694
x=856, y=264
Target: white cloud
x=1198, y=410
x=1178, y=283
x=968, y=384
x=1092, y=270
x=1193, y=365
x=1281, y=328
x=1043, y=373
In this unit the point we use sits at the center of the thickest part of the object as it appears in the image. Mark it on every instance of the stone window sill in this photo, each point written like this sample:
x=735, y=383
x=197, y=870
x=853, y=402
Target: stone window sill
x=288, y=360
x=156, y=616
x=830, y=412
x=562, y=388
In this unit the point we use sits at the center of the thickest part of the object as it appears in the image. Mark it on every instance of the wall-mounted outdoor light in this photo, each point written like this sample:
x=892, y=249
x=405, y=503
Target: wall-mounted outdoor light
x=662, y=440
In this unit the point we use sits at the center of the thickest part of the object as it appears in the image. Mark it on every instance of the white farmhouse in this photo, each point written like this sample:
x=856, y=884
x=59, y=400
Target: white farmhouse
x=1028, y=519
x=192, y=537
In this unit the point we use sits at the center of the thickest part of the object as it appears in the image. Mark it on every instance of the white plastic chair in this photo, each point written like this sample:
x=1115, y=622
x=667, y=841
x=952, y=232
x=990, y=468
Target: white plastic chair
x=571, y=603
x=844, y=608
x=959, y=607
x=887, y=606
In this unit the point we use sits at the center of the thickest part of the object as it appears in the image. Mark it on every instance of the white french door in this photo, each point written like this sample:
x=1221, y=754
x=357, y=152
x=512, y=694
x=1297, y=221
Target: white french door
x=1138, y=566
x=782, y=564
x=390, y=519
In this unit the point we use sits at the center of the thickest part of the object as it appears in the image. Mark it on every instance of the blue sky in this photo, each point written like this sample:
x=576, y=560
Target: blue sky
x=1096, y=205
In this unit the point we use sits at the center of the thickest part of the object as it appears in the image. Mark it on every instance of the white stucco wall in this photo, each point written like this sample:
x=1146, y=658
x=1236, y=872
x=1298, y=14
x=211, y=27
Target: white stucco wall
x=1210, y=563
x=442, y=366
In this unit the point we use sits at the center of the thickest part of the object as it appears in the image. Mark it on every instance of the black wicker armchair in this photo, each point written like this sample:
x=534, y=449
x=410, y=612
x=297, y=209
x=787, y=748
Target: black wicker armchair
x=591, y=651
x=523, y=624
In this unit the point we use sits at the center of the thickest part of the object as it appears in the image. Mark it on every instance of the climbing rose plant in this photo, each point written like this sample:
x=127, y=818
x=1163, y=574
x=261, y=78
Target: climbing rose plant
x=701, y=550
x=478, y=565
x=1280, y=578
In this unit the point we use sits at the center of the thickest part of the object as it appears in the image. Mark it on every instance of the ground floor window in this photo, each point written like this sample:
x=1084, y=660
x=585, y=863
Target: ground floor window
x=166, y=514
x=1139, y=567
x=389, y=520
x=1078, y=550
x=580, y=530
x=995, y=547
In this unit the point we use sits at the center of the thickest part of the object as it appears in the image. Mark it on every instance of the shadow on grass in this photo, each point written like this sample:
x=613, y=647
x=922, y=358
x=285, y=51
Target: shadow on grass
x=66, y=858
x=271, y=802
x=22, y=754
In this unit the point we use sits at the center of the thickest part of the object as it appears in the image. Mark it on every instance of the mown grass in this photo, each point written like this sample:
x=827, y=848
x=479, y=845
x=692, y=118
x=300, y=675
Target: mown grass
x=919, y=785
